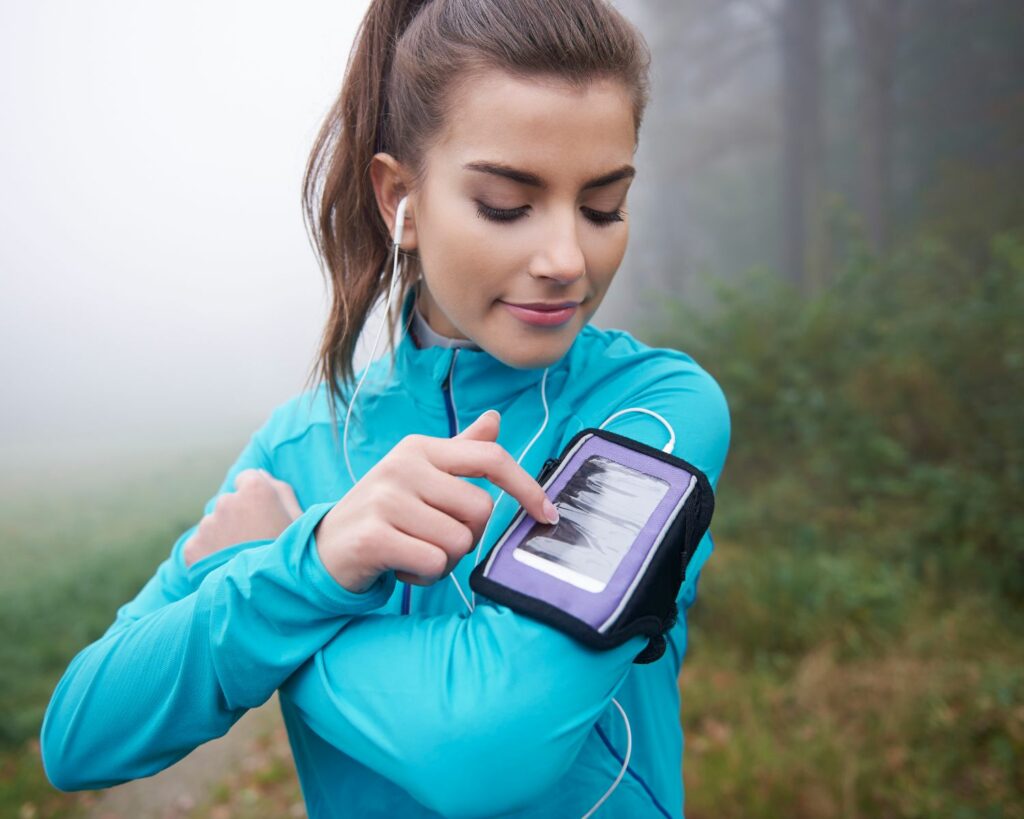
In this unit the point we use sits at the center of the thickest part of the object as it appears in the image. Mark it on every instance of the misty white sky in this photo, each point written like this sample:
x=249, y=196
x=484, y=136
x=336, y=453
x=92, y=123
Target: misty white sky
x=157, y=288
x=156, y=282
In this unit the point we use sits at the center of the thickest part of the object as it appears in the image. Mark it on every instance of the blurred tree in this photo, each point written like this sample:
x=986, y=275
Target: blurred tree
x=960, y=94
x=875, y=26
x=705, y=133
x=800, y=24
x=785, y=132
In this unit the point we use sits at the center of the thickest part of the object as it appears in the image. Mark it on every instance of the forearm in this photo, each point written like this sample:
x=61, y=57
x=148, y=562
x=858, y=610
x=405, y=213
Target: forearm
x=489, y=709
x=153, y=688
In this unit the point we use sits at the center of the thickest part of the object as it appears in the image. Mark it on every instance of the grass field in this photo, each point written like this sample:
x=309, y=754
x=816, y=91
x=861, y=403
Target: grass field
x=825, y=713
x=75, y=544
x=816, y=685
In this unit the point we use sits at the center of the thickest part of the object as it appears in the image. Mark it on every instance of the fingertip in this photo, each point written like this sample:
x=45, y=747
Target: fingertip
x=550, y=512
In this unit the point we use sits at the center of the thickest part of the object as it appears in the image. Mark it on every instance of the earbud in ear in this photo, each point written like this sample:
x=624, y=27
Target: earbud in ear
x=400, y=220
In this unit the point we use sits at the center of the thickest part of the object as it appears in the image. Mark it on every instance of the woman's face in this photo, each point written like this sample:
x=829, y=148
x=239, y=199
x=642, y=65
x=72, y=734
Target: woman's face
x=523, y=202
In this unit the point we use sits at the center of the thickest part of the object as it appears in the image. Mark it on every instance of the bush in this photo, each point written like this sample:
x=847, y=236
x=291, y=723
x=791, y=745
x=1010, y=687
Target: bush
x=881, y=417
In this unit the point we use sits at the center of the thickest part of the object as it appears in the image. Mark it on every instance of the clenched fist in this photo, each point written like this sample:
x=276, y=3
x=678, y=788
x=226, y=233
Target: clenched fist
x=261, y=508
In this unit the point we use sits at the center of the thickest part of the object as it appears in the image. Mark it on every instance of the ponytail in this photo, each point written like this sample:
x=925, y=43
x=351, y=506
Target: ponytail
x=339, y=205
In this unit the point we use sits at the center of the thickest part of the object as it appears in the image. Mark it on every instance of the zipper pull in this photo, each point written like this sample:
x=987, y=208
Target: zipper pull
x=546, y=469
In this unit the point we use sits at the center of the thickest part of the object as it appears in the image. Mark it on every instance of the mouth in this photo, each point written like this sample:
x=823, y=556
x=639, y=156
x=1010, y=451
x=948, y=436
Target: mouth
x=543, y=315
x=541, y=305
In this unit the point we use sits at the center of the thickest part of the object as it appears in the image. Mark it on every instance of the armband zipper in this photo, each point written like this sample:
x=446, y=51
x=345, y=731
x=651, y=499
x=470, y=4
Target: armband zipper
x=545, y=470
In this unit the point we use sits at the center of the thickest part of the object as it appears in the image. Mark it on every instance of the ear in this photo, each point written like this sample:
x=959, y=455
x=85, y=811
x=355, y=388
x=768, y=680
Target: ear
x=389, y=185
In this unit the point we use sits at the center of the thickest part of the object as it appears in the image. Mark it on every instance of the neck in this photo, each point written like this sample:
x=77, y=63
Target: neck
x=427, y=336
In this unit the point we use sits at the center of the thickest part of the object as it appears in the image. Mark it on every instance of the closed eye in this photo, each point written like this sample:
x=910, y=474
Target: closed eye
x=598, y=217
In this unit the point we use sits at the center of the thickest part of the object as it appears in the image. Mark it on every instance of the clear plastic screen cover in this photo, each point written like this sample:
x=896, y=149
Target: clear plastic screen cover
x=602, y=509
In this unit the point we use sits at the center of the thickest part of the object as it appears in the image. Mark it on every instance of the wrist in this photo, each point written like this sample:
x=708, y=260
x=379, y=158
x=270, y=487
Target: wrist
x=349, y=577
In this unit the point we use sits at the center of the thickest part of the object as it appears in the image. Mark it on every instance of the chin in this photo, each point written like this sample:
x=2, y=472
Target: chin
x=535, y=356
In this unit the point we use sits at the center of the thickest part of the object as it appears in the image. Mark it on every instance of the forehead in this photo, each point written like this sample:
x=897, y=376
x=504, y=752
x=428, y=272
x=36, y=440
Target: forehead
x=543, y=125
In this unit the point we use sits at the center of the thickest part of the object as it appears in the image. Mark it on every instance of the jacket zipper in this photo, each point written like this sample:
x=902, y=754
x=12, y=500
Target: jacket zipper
x=446, y=391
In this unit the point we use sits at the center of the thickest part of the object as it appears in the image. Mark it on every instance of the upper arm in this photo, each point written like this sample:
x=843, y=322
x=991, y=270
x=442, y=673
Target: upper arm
x=685, y=395
x=431, y=702
x=691, y=401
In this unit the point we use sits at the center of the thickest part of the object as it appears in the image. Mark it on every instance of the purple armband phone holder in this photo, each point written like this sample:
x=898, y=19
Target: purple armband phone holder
x=611, y=568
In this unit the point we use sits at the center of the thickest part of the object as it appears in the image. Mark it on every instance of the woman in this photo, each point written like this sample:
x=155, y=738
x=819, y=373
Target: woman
x=491, y=141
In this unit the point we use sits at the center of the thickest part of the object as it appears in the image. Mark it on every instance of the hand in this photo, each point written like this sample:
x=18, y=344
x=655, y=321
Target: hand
x=412, y=513
x=261, y=508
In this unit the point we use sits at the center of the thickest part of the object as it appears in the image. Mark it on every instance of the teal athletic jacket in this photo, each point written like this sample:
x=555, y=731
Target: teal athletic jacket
x=398, y=701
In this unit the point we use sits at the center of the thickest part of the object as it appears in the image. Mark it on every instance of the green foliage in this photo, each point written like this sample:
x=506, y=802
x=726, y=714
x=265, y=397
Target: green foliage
x=74, y=550
x=881, y=418
x=780, y=603
x=855, y=644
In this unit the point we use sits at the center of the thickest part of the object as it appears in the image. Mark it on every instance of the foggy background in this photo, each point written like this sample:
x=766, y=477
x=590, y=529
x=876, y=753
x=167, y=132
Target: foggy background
x=828, y=216
x=158, y=289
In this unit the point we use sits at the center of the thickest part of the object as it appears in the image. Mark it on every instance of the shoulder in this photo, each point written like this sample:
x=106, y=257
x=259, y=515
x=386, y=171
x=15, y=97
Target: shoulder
x=623, y=373
x=297, y=415
x=624, y=367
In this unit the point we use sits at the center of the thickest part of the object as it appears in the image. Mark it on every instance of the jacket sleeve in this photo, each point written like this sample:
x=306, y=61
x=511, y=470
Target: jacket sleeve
x=174, y=580
x=486, y=710
x=194, y=650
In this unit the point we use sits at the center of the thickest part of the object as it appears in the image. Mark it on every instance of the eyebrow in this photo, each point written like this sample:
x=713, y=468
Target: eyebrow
x=526, y=178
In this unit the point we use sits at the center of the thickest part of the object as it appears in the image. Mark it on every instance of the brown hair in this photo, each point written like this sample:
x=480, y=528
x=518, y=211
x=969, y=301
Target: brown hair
x=396, y=96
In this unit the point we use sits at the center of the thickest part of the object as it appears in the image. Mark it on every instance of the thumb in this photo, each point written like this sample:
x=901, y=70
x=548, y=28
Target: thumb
x=484, y=428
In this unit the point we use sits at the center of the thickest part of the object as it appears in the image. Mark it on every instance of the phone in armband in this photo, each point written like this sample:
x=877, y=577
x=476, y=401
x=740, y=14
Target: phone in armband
x=630, y=519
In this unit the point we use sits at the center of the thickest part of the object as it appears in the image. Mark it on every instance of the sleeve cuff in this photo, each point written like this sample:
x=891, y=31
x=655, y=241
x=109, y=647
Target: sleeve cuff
x=293, y=560
x=198, y=571
x=329, y=592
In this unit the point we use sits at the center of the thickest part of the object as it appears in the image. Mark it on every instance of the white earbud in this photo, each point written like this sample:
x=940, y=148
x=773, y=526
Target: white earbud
x=400, y=220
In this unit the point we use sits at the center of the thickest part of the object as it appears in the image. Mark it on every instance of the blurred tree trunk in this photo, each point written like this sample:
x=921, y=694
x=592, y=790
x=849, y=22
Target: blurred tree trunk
x=875, y=26
x=802, y=142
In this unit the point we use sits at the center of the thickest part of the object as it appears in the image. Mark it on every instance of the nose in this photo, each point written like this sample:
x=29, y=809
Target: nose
x=560, y=256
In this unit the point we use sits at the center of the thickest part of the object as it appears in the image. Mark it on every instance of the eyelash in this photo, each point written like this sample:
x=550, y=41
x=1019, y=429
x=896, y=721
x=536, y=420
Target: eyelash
x=600, y=218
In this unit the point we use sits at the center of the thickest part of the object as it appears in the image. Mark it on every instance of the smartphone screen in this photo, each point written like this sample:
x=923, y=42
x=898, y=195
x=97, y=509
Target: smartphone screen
x=602, y=508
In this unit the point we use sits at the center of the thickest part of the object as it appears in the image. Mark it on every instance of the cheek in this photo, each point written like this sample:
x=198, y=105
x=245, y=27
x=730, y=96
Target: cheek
x=468, y=260
x=606, y=250
x=619, y=248
x=477, y=256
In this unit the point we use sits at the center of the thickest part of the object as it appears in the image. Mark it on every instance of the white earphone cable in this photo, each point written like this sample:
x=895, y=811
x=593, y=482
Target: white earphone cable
x=395, y=246
x=625, y=763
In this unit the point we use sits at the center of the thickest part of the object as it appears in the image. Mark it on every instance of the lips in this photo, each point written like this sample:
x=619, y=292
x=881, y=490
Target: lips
x=540, y=305
x=546, y=316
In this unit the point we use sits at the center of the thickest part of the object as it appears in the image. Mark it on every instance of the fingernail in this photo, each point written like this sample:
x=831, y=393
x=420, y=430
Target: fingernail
x=550, y=511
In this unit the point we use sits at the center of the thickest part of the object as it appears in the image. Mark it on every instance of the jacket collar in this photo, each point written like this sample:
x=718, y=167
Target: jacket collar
x=479, y=381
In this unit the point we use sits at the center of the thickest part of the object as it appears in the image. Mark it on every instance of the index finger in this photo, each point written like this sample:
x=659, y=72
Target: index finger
x=489, y=459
